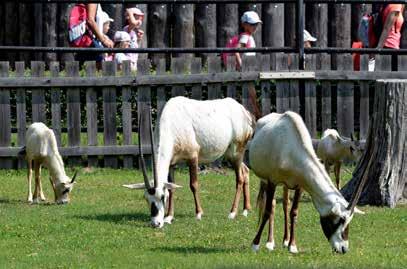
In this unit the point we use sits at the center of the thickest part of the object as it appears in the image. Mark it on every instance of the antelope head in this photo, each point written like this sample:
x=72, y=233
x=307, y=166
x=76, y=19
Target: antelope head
x=63, y=189
x=336, y=224
x=156, y=193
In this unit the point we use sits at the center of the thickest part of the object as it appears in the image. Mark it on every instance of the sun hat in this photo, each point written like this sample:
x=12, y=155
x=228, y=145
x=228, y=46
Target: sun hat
x=121, y=36
x=101, y=18
x=308, y=37
x=250, y=17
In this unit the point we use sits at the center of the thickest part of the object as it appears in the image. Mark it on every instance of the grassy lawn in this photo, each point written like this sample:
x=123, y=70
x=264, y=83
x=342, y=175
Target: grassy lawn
x=106, y=226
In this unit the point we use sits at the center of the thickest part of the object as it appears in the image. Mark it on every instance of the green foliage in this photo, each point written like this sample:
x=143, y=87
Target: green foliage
x=106, y=226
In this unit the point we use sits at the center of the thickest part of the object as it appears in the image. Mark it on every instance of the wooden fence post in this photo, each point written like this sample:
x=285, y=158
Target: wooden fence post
x=205, y=27
x=310, y=105
x=265, y=86
x=231, y=86
x=178, y=67
x=109, y=114
x=227, y=23
x=294, y=86
x=126, y=116
x=21, y=114
x=326, y=100
x=5, y=118
x=91, y=113
x=38, y=94
x=196, y=68
x=183, y=33
x=282, y=86
x=159, y=30
x=364, y=100
x=161, y=92
x=214, y=89
x=56, y=104
x=345, y=102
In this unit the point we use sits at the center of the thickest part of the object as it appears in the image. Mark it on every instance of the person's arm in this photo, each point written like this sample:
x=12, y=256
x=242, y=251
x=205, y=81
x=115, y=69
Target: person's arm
x=239, y=58
x=91, y=21
x=391, y=18
x=131, y=20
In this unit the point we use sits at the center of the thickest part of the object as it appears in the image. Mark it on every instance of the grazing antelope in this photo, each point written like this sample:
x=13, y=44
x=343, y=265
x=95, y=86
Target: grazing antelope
x=281, y=152
x=198, y=132
x=42, y=149
x=334, y=149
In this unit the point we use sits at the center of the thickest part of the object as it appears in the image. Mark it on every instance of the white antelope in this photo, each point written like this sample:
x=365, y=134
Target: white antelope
x=42, y=149
x=334, y=149
x=281, y=152
x=197, y=132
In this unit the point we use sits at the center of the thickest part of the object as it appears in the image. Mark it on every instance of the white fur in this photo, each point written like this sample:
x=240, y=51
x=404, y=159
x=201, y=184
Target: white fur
x=245, y=213
x=232, y=215
x=270, y=246
x=41, y=146
x=293, y=249
x=281, y=152
x=286, y=243
x=255, y=248
x=204, y=130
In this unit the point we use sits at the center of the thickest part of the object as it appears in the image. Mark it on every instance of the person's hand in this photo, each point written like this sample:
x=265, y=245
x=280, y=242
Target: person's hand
x=107, y=42
x=140, y=34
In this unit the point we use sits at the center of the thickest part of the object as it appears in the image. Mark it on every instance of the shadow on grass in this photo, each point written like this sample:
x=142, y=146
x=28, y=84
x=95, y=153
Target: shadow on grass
x=118, y=218
x=193, y=249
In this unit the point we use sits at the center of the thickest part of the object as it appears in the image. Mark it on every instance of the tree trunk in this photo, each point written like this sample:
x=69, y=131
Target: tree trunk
x=386, y=148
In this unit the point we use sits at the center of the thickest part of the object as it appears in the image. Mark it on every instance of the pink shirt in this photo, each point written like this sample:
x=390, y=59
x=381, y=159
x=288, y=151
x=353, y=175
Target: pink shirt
x=133, y=44
x=393, y=39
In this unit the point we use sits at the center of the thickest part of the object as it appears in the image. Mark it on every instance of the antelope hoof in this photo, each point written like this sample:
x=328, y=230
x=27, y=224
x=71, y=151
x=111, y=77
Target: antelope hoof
x=168, y=219
x=293, y=249
x=43, y=198
x=199, y=216
x=245, y=213
x=232, y=215
x=286, y=243
x=255, y=248
x=30, y=200
x=270, y=246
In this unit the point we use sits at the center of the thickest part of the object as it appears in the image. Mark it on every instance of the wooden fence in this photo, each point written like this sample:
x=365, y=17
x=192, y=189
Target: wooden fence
x=83, y=106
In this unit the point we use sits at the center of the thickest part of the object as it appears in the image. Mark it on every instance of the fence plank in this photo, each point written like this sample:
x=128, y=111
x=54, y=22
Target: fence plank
x=73, y=105
x=91, y=113
x=127, y=118
x=310, y=105
x=161, y=94
x=56, y=104
x=205, y=27
x=196, y=68
x=159, y=30
x=38, y=95
x=294, y=91
x=265, y=86
x=345, y=103
x=214, y=89
x=183, y=37
x=248, y=88
x=178, y=67
x=5, y=117
x=326, y=100
x=283, y=86
x=109, y=114
x=364, y=100
x=144, y=107
x=21, y=114
x=26, y=34
x=231, y=86
x=227, y=26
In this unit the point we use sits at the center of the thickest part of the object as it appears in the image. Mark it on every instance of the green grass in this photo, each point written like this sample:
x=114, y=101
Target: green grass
x=106, y=226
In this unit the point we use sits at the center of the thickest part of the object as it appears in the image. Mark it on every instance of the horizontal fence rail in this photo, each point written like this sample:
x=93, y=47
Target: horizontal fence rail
x=106, y=104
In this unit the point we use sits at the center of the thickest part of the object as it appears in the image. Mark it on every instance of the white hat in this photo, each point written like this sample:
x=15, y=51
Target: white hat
x=120, y=36
x=101, y=18
x=250, y=17
x=308, y=37
x=136, y=11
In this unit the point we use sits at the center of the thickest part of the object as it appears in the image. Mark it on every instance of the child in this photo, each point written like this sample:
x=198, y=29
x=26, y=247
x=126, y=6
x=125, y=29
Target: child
x=103, y=23
x=134, y=19
x=249, y=21
x=121, y=40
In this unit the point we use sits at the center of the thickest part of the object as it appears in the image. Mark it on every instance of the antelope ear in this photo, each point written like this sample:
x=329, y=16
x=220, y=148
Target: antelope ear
x=336, y=210
x=136, y=186
x=171, y=186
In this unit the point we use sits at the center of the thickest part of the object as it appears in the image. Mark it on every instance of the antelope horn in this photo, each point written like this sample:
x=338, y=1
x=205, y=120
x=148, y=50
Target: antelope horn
x=361, y=184
x=74, y=176
x=142, y=163
x=153, y=152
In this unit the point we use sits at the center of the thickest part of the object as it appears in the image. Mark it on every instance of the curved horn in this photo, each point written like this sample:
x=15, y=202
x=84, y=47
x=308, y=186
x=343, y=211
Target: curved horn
x=356, y=195
x=153, y=152
x=74, y=176
x=142, y=163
